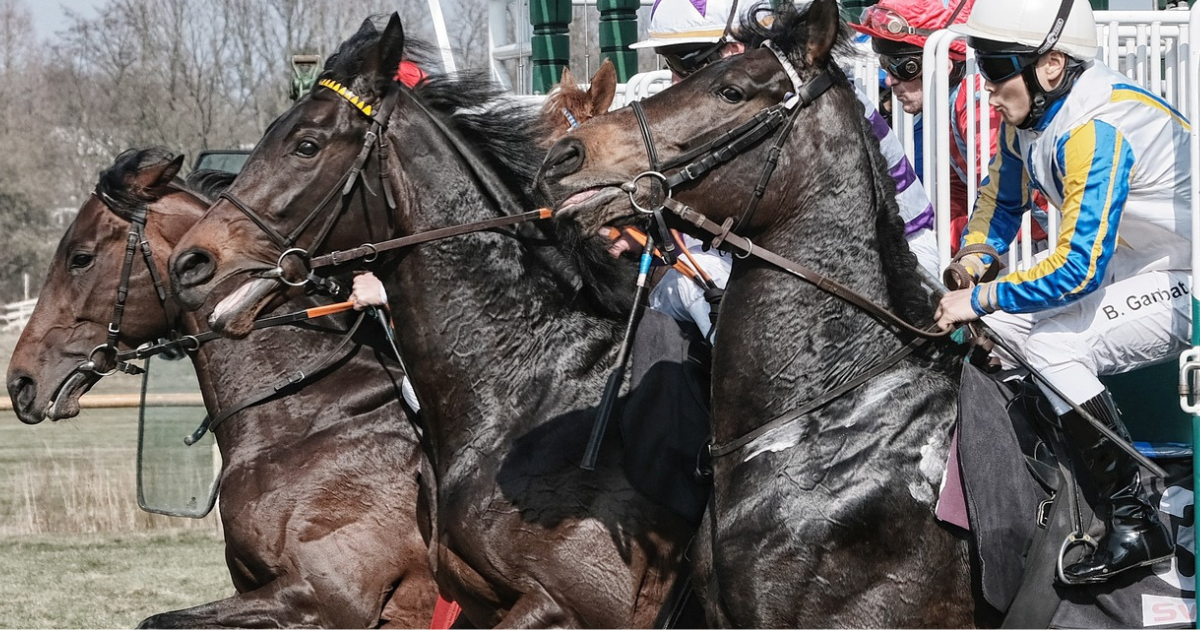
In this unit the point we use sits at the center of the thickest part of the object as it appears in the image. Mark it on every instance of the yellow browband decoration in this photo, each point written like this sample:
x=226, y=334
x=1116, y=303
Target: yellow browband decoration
x=346, y=94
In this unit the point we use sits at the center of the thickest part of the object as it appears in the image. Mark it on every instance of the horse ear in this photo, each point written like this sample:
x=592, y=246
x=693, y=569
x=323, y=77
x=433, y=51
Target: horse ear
x=568, y=79
x=824, y=23
x=158, y=174
x=391, y=46
x=603, y=88
x=367, y=28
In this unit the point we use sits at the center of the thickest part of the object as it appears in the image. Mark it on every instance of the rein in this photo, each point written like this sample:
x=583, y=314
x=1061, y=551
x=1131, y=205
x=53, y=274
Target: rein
x=779, y=120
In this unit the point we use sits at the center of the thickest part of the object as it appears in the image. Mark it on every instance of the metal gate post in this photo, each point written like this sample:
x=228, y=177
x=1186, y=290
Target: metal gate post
x=619, y=29
x=551, y=41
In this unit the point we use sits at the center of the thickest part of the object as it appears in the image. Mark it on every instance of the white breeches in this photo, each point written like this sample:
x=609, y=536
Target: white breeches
x=1128, y=324
x=683, y=299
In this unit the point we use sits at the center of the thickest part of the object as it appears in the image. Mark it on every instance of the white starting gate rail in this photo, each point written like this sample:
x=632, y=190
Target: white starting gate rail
x=17, y=313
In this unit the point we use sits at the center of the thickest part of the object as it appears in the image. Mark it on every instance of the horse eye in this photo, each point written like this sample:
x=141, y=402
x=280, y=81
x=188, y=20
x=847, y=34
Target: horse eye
x=79, y=260
x=307, y=148
x=731, y=94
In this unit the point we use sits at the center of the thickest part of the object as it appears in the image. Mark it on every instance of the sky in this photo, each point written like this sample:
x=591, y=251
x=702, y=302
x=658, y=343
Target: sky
x=50, y=16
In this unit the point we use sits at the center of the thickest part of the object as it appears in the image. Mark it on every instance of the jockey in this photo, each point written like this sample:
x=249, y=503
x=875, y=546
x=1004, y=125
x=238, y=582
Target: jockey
x=898, y=30
x=1113, y=293
x=689, y=35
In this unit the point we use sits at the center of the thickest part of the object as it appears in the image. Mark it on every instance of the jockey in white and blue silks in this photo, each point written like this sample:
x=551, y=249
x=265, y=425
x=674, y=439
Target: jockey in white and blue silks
x=688, y=36
x=1113, y=292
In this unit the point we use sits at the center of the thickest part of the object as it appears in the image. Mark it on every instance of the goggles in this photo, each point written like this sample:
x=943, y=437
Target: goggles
x=998, y=68
x=888, y=21
x=902, y=67
x=685, y=63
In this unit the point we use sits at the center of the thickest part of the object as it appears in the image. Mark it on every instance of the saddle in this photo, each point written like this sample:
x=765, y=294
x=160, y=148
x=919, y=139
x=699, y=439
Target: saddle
x=1023, y=501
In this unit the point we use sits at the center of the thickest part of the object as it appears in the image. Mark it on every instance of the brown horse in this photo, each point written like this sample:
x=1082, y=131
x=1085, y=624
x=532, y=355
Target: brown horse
x=505, y=350
x=824, y=517
x=318, y=492
x=568, y=105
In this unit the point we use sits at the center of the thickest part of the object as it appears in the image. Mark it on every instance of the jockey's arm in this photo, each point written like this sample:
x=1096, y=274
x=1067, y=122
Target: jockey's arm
x=1096, y=163
x=1003, y=199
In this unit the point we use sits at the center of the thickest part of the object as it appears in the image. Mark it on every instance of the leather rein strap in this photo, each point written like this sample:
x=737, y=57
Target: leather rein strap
x=372, y=249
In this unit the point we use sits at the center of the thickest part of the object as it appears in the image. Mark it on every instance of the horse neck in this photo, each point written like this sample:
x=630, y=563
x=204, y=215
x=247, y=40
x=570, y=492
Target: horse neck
x=790, y=339
x=485, y=329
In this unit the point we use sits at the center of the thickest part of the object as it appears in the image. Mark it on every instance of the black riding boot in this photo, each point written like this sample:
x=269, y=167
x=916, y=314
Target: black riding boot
x=1135, y=535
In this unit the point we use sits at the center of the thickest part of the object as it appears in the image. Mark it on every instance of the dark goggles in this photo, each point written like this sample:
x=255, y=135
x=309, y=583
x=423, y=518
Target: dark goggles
x=998, y=68
x=902, y=67
x=685, y=63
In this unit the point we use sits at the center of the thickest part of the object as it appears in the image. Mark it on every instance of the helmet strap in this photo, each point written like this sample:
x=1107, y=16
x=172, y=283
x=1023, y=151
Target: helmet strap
x=1040, y=99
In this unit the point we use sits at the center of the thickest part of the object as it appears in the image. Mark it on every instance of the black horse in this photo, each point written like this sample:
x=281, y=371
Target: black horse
x=318, y=490
x=505, y=351
x=825, y=520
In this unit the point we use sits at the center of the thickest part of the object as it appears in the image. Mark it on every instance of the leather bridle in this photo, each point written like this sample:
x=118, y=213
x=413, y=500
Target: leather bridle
x=691, y=166
x=108, y=351
x=376, y=138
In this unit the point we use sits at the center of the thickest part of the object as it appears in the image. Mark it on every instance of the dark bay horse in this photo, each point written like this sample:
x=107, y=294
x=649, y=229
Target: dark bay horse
x=506, y=353
x=318, y=494
x=826, y=520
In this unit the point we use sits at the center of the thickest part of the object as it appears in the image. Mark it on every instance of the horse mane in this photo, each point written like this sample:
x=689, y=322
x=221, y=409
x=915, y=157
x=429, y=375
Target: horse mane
x=505, y=133
x=786, y=26
x=115, y=181
x=209, y=183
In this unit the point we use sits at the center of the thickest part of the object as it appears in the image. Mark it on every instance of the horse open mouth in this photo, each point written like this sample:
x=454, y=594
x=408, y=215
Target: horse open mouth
x=234, y=315
x=65, y=401
x=597, y=207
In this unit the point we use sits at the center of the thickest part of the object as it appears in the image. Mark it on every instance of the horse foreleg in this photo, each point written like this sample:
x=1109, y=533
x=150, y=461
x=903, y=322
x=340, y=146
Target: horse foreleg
x=275, y=605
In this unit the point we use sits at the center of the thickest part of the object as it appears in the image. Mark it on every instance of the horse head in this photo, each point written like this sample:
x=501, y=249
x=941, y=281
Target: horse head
x=302, y=180
x=80, y=321
x=585, y=172
x=568, y=106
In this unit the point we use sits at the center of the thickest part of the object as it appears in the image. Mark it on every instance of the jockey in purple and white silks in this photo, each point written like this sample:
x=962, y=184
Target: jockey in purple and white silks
x=689, y=35
x=1113, y=292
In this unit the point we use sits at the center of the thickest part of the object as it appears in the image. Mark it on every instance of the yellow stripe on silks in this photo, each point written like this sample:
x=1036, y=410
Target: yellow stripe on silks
x=979, y=226
x=1080, y=150
x=1119, y=95
x=345, y=93
x=1102, y=229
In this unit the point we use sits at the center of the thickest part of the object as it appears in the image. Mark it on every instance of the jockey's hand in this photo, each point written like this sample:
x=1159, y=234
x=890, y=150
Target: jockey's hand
x=621, y=243
x=368, y=291
x=955, y=308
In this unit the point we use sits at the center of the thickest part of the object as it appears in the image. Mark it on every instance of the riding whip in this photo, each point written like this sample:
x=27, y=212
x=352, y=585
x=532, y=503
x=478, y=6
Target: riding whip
x=613, y=387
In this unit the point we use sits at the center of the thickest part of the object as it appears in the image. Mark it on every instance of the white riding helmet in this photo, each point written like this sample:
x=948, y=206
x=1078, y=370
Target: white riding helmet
x=1027, y=22
x=675, y=22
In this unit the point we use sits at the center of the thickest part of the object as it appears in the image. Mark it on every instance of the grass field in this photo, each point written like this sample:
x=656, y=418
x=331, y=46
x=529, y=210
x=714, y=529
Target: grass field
x=77, y=551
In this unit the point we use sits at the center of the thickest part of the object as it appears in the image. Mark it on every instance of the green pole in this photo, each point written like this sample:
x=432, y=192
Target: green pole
x=619, y=29
x=551, y=41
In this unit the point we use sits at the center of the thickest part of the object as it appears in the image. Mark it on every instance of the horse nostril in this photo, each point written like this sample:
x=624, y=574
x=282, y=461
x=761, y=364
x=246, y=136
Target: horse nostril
x=193, y=268
x=23, y=391
x=566, y=157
